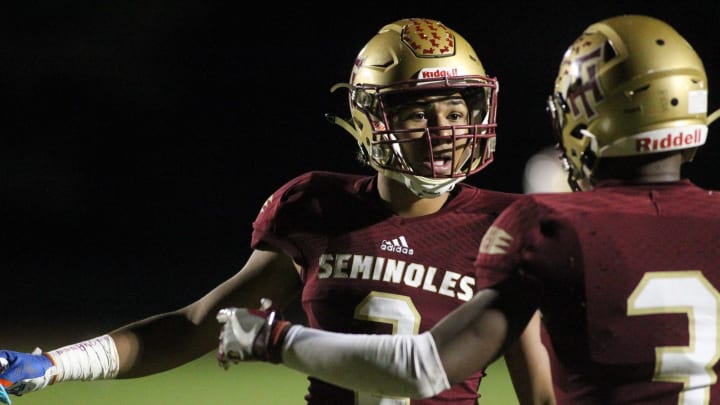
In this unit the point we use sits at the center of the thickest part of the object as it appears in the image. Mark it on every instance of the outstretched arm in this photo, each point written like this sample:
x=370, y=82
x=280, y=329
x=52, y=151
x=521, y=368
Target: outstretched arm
x=417, y=366
x=169, y=340
x=157, y=343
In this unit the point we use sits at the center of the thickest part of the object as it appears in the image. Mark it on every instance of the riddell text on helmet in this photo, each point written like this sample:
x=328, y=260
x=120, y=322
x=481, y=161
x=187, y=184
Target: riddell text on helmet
x=437, y=73
x=670, y=141
x=659, y=140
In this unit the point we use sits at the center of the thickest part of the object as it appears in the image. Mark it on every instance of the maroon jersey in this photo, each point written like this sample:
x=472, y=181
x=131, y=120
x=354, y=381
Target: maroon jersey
x=629, y=278
x=367, y=270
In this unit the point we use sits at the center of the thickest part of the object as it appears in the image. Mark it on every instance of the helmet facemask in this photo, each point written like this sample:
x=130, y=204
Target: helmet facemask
x=437, y=152
x=578, y=159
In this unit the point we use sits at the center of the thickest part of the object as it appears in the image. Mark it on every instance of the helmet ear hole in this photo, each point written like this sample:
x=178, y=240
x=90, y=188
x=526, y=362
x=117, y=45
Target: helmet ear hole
x=609, y=52
x=358, y=124
x=577, y=131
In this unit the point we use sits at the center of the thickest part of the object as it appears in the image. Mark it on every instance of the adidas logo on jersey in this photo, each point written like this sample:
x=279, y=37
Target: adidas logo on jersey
x=397, y=245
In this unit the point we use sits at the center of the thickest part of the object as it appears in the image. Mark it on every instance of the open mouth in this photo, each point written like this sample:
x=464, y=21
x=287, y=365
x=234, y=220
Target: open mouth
x=441, y=163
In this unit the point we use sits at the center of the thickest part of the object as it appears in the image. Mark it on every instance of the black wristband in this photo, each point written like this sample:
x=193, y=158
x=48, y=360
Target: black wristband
x=276, y=340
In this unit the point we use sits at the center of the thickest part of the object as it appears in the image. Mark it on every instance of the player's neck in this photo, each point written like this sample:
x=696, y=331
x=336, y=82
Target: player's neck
x=650, y=169
x=403, y=202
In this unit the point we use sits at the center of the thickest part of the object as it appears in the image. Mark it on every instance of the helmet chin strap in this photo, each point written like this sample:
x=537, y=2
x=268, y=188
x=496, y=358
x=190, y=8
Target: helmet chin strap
x=712, y=117
x=423, y=187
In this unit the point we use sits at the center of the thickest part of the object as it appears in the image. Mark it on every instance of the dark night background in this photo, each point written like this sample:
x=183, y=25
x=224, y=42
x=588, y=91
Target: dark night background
x=139, y=139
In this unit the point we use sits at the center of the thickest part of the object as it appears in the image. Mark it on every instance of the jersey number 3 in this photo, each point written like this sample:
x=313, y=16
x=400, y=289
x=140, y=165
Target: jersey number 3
x=687, y=292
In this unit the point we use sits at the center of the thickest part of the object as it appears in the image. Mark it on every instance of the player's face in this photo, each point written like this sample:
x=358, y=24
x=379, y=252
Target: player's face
x=436, y=115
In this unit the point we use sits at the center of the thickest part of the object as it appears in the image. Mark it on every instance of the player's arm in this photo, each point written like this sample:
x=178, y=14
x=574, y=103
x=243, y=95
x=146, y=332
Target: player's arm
x=529, y=366
x=157, y=343
x=169, y=340
x=418, y=366
x=393, y=365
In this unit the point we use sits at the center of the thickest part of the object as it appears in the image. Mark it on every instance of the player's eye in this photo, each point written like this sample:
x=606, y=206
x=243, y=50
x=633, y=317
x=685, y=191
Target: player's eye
x=456, y=117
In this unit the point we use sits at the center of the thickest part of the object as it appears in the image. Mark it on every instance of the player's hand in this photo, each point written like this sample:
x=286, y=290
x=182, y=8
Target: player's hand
x=251, y=334
x=4, y=397
x=21, y=373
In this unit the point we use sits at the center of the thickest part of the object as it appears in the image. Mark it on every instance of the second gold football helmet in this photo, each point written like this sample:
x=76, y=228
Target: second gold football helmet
x=629, y=85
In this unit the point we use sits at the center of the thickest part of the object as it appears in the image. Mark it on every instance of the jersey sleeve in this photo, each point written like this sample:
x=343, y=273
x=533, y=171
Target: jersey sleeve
x=280, y=215
x=500, y=251
x=529, y=239
x=299, y=216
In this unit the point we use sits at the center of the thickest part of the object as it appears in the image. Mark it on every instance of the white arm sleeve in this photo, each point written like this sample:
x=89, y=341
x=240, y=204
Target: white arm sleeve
x=392, y=365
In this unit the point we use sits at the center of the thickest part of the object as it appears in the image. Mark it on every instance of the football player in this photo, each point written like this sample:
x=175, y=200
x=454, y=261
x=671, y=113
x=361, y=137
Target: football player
x=626, y=271
x=385, y=253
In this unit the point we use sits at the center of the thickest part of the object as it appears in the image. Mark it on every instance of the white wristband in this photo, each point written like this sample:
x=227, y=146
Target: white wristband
x=93, y=359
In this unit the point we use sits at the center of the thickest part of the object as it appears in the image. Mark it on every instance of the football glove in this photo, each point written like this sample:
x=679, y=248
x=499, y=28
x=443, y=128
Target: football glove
x=251, y=334
x=4, y=397
x=21, y=373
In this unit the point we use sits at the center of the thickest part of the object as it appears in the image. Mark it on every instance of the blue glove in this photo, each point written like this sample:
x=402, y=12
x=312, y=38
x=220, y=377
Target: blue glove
x=4, y=398
x=21, y=373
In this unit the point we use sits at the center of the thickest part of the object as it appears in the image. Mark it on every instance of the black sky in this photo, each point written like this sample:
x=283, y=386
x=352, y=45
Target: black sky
x=139, y=139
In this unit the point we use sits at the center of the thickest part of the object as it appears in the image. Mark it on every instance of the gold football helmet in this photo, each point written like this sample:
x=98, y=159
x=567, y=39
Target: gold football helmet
x=420, y=59
x=629, y=85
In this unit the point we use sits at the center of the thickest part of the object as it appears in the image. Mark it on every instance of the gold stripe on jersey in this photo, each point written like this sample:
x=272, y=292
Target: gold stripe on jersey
x=495, y=241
